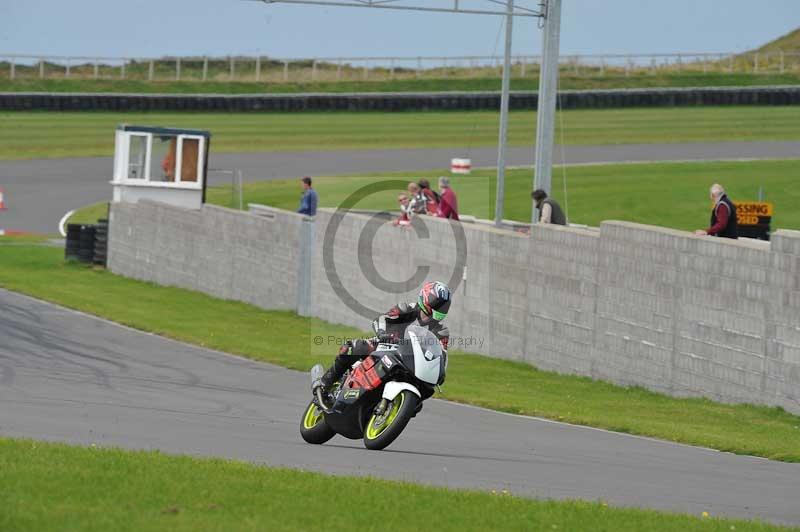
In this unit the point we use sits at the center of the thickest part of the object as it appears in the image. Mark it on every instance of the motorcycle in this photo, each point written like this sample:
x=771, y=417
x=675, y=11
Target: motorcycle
x=378, y=395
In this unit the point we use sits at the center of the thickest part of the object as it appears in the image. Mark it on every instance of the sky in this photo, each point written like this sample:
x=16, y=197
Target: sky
x=155, y=28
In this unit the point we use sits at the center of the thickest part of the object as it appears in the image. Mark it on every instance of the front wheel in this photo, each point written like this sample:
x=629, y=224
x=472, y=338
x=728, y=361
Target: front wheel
x=384, y=429
x=313, y=428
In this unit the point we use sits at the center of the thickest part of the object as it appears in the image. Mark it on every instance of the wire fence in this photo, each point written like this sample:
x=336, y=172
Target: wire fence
x=332, y=69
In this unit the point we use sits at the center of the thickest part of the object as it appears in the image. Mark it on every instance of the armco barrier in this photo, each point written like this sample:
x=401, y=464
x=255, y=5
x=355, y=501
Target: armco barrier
x=630, y=304
x=783, y=95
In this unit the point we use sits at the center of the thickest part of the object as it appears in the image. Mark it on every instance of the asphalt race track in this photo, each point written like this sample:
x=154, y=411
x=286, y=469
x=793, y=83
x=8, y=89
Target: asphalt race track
x=65, y=376
x=40, y=192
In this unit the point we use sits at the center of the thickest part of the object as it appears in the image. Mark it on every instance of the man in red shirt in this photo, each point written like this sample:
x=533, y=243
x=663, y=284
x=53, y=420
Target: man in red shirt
x=448, y=203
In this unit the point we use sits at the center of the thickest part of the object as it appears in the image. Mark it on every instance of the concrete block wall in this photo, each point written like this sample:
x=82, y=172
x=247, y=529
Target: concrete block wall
x=628, y=303
x=224, y=253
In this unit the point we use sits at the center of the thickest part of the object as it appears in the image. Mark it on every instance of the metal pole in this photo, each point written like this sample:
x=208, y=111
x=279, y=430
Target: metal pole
x=96, y=68
x=338, y=70
x=285, y=71
x=781, y=55
x=241, y=192
x=391, y=68
x=205, y=68
x=13, y=72
x=314, y=70
x=233, y=69
x=68, y=68
x=122, y=70
x=41, y=68
x=258, y=68
x=150, y=71
x=178, y=69
x=548, y=85
x=755, y=64
x=501, y=147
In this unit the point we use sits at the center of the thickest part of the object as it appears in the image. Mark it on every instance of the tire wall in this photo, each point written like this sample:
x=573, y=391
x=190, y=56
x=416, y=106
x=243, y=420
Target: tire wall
x=384, y=102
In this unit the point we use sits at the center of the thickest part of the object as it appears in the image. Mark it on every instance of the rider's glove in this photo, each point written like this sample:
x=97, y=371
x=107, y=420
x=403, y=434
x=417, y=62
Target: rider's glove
x=346, y=348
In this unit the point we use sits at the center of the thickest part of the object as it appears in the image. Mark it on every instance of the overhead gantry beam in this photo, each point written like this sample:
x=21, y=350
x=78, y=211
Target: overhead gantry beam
x=444, y=6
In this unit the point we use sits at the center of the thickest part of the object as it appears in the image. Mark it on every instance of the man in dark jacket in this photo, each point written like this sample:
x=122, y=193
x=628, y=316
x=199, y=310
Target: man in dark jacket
x=723, y=215
x=549, y=211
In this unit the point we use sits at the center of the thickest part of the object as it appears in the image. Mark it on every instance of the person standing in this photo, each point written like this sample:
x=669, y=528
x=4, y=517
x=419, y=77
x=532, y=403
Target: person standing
x=723, y=215
x=549, y=210
x=417, y=202
x=308, y=203
x=431, y=197
x=448, y=203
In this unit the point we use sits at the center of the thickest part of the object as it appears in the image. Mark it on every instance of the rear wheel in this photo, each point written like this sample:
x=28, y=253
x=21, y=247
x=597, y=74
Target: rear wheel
x=313, y=428
x=382, y=430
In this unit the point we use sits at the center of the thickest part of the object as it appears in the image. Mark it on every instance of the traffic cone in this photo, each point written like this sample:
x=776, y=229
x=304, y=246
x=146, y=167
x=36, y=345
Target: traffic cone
x=2, y=198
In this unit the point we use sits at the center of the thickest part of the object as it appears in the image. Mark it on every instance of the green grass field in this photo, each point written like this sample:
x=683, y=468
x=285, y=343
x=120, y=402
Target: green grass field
x=59, y=487
x=284, y=338
x=484, y=82
x=46, y=135
x=670, y=195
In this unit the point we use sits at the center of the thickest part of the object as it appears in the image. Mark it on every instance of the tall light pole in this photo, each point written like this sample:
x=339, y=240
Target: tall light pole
x=504, y=97
x=546, y=113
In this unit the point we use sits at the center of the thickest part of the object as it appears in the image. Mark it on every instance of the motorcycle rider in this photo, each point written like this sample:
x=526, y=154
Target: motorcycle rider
x=429, y=311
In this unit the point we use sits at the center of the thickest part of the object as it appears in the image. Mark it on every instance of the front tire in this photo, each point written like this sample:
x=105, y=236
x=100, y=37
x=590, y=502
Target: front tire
x=383, y=430
x=313, y=428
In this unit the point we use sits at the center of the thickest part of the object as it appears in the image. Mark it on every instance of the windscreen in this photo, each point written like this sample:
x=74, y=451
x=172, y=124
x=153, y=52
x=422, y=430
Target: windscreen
x=423, y=341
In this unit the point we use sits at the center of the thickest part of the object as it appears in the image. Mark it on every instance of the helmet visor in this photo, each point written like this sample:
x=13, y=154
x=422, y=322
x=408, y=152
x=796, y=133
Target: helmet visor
x=439, y=316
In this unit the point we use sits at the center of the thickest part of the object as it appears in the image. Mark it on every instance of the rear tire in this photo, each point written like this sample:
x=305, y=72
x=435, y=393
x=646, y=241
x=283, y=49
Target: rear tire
x=313, y=427
x=382, y=431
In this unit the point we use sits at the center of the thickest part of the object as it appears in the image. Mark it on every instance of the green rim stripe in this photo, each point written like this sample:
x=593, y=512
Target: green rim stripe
x=372, y=431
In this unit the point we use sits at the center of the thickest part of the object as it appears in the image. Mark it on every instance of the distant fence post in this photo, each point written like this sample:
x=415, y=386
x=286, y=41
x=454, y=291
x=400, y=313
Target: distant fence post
x=67, y=68
x=522, y=66
x=653, y=65
x=233, y=69
x=178, y=69
x=602, y=65
x=780, y=54
x=314, y=70
x=205, y=68
x=151, y=69
x=258, y=68
x=575, y=65
x=391, y=68
x=41, y=68
x=12, y=73
x=364, y=73
x=705, y=63
x=419, y=67
x=338, y=69
x=755, y=63
x=286, y=71
x=730, y=63
x=122, y=70
x=96, y=68
x=680, y=62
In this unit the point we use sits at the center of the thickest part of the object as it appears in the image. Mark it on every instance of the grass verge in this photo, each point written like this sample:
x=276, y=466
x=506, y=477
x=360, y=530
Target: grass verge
x=27, y=135
x=59, y=487
x=284, y=338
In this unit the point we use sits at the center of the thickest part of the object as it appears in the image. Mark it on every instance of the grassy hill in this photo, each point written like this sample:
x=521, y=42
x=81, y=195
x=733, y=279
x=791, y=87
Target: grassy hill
x=788, y=43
